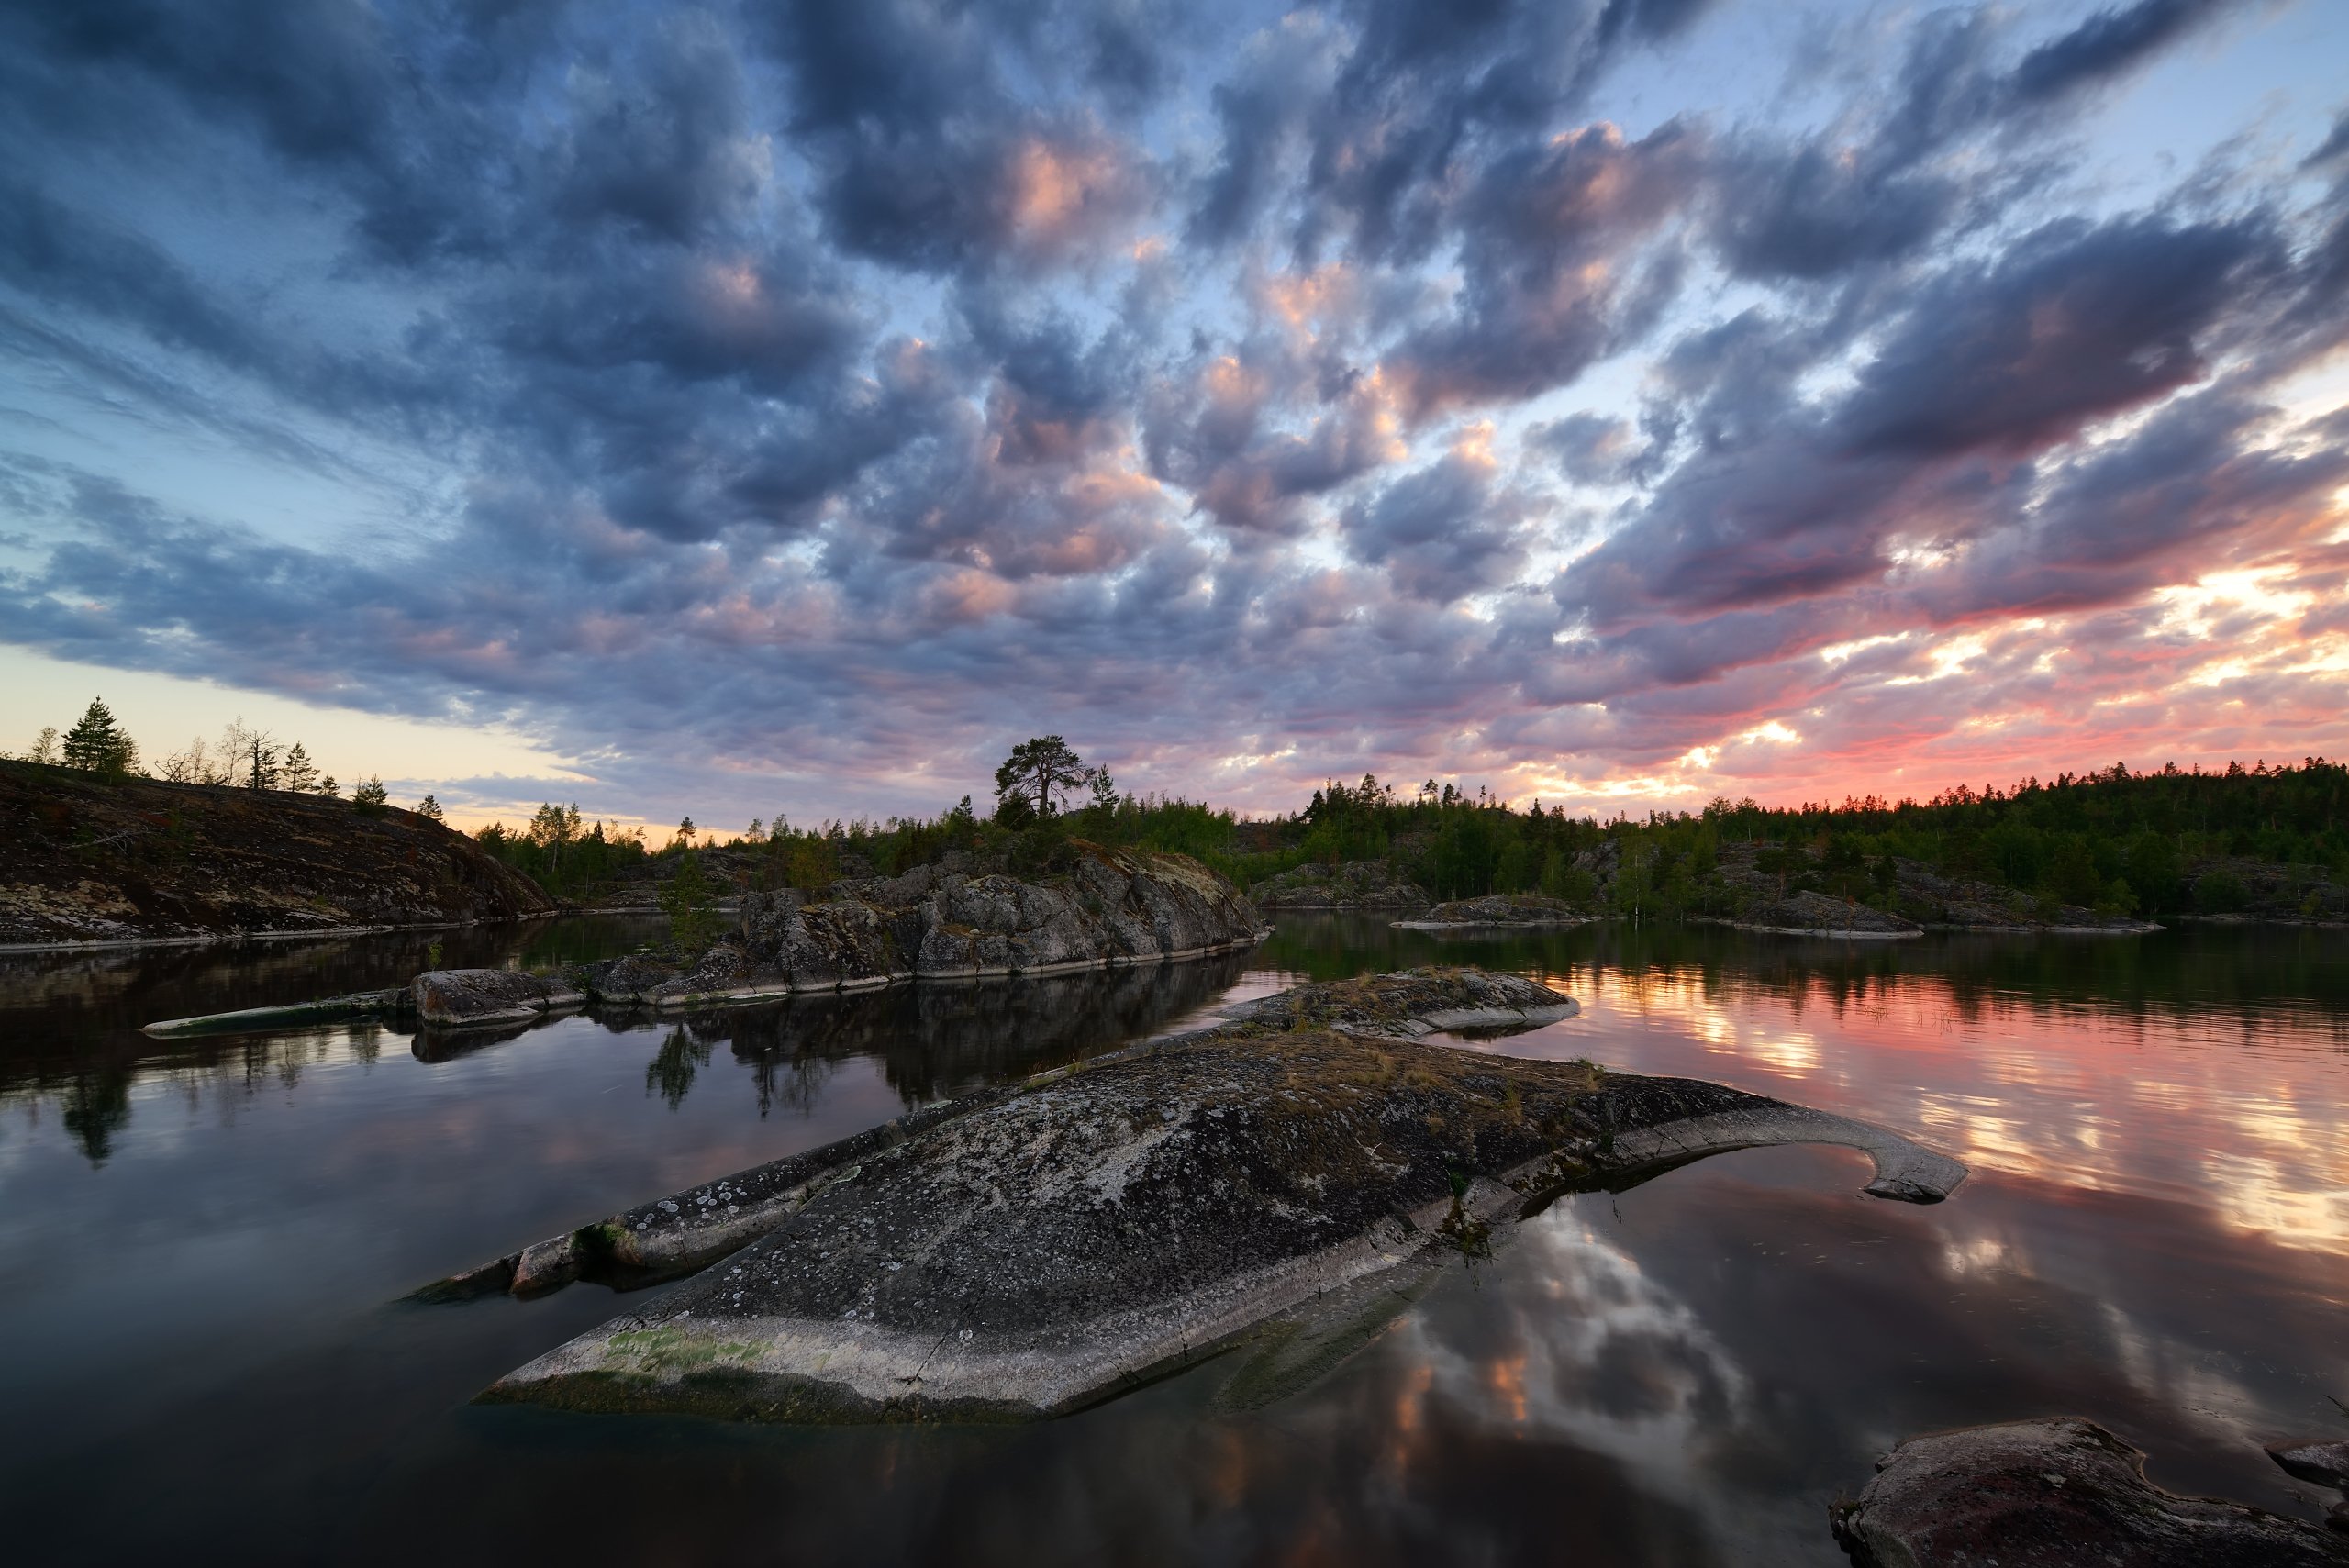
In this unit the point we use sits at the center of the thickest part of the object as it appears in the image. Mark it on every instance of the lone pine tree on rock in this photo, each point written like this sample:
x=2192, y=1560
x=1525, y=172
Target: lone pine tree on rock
x=1037, y=772
x=98, y=745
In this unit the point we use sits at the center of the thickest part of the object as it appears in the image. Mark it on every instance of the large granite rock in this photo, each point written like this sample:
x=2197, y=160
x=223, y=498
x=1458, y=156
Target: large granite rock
x=1357, y=885
x=1114, y=907
x=2056, y=1494
x=1035, y=1247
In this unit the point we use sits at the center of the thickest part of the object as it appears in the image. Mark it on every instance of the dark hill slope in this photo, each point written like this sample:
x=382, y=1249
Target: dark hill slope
x=85, y=861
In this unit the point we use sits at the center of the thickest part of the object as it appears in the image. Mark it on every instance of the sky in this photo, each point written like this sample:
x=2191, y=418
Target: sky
x=782, y=409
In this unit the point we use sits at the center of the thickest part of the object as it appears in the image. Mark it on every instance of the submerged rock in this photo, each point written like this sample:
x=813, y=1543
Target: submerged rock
x=2056, y=1494
x=1035, y=1247
x=1500, y=909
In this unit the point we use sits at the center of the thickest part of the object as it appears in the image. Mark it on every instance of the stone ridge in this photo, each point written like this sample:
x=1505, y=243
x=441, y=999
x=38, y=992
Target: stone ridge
x=1116, y=906
x=1037, y=1248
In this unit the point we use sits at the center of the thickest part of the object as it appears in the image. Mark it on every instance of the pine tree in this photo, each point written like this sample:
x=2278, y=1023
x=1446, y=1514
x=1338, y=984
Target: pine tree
x=369, y=797
x=300, y=775
x=98, y=745
x=429, y=810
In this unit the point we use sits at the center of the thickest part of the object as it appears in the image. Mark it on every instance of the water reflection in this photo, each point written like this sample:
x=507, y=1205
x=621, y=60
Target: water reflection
x=199, y=1240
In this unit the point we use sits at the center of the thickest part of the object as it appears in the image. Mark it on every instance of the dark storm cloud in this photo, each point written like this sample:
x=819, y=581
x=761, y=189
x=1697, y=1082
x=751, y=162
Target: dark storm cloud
x=841, y=388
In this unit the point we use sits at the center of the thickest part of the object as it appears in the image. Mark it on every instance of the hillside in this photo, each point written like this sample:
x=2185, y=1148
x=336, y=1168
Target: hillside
x=81, y=860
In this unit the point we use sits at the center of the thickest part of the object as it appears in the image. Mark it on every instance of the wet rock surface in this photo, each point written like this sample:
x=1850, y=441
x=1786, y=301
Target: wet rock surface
x=1357, y=885
x=2056, y=1494
x=1532, y=909
x=1034, y=1248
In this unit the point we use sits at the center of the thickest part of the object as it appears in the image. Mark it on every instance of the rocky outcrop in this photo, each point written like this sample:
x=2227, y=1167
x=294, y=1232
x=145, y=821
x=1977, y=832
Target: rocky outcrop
x=2325, y=1462
x=1816, y=914
x=1113, y=907
x=2056, y=1494
x=475, y=996
x=144, y=861
x=1357, y=885
x=1411, y=1003
x=1526, y=909
x=1037, y=1247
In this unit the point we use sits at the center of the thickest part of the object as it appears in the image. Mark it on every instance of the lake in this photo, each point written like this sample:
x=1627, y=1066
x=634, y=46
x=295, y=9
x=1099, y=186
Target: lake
x=202, y=1245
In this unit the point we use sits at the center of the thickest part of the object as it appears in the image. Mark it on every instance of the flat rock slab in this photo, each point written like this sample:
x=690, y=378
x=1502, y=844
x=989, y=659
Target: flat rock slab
x=2056, y=1494
x=1037, y=1248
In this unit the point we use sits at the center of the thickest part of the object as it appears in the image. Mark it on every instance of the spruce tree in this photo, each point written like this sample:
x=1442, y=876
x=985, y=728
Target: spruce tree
x=98, y=745
x=300, y=775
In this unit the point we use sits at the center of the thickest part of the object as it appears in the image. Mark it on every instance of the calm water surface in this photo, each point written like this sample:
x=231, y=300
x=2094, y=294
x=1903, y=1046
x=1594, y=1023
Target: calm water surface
x=201, y=1245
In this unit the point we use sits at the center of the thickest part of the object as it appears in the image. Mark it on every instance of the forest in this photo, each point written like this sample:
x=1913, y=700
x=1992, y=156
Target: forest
x=2149, y=843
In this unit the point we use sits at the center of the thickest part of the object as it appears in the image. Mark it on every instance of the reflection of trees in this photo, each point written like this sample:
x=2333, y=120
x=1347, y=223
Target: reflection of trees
x=97, y=1105
x=672, y=1069
x=70, y=1021
x=2274, y=969
x=937, y=1041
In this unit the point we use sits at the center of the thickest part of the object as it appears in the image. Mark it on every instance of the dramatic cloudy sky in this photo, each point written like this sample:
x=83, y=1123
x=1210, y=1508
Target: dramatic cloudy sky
x=768, y=406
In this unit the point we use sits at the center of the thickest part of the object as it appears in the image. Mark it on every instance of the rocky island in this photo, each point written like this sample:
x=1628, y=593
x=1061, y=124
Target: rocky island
x=1276, y=1183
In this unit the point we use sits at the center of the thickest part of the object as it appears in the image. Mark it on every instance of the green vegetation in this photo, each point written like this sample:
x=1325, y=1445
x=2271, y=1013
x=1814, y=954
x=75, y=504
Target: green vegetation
x=691, y=904
x=2258, y=839
x=98, y=745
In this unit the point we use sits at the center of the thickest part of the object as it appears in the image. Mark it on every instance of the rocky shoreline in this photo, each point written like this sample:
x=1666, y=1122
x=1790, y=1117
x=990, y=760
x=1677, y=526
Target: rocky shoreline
x=1030, y=1250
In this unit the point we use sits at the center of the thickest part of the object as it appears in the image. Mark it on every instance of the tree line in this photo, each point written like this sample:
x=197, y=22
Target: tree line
x=244, y=757
x=2113, y=841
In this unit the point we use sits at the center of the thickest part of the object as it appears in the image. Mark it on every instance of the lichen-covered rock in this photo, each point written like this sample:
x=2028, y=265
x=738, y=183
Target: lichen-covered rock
x=1037, y=1247
x=460, y=998
x=1357, y=885
x=2056, y=1494
x=1532, y=909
